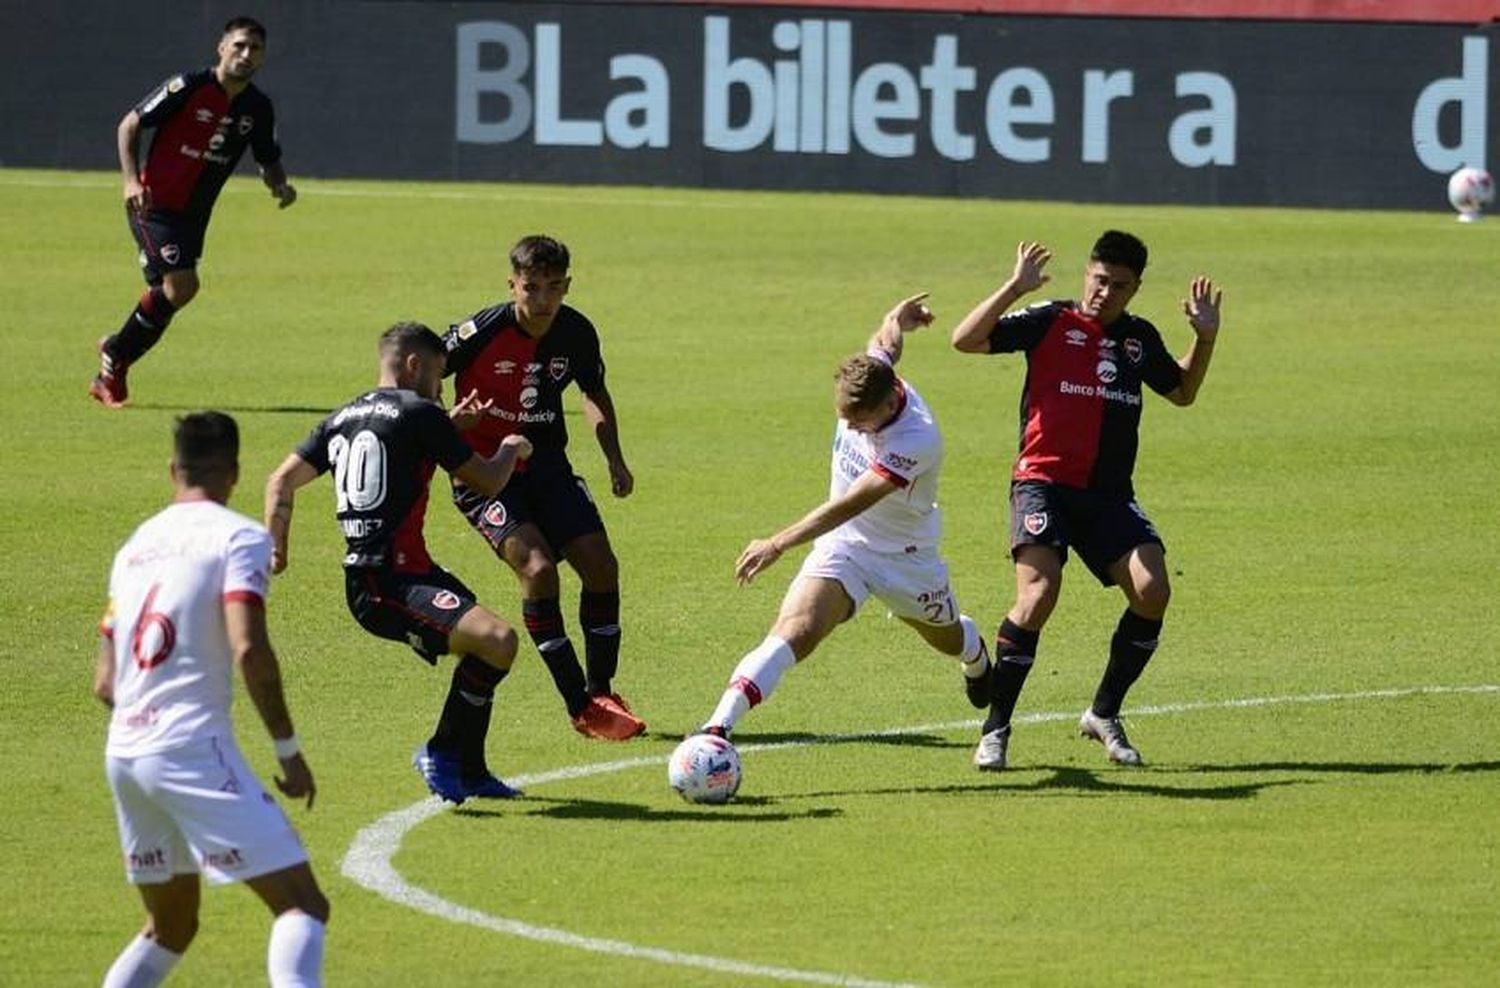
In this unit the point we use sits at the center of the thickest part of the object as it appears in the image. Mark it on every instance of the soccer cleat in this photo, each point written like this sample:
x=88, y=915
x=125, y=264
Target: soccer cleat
x=1109, y=732
x=990, y=755
x=606, y=720
x=491, y=787
x=108, y=387
x=618, y=701
x=977, y=688
x=441, y=773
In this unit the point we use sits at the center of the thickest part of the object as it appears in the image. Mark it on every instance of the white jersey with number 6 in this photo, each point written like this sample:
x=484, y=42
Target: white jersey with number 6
x=907, y=452
x=167, y=590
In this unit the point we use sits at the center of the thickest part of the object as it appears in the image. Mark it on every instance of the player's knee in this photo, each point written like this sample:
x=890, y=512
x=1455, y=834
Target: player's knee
x=181, y=290
x=315, y=904
x=504, y=645
x=174, y=932
x=538, y=575
x=1152, y=594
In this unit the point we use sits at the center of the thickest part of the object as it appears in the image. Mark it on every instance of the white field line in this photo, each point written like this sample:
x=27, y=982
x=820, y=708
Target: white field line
x=368, y=860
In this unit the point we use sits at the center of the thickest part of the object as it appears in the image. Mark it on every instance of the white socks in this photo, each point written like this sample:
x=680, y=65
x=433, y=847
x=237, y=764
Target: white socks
x=142, y=964
x=974, y=659
x=295, y=956
x=752, y=681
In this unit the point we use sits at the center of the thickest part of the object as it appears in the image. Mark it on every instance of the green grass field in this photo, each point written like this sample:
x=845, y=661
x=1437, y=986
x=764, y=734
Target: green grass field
x=1329, y=506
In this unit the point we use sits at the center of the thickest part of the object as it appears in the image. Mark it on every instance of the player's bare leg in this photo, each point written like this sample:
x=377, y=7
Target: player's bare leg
x=593, y=559
x=812, y=608
x=171, y=924
x=526, y=551
x=1038, y=582
x=962, y=640
x=141, y=331
x=1142, y=575
x=295, y=953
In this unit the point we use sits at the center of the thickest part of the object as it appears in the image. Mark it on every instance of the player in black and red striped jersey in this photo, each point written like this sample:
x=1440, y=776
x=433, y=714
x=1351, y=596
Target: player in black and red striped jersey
x=203, y=121
x=1086, y=365
x=516, y=359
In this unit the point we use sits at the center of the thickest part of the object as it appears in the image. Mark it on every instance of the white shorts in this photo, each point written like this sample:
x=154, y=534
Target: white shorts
x=197, y=808
x=913, y=585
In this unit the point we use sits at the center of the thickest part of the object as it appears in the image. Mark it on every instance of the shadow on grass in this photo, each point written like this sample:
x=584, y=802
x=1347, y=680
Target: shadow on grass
x=598, y=809
x=1065, y=780
x=744, y=739
x=1348, y=768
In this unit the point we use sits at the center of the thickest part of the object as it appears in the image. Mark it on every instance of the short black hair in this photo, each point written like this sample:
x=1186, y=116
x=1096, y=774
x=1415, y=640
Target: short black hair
x=1124, y=249
x=243, y=23
x=410, y=337
x=539, y=253
x=205, y=447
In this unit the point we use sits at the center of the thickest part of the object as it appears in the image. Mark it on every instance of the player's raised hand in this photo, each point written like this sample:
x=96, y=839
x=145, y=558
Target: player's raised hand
x=299, y=779
x=285, y=194
x=758, y=555
x=1202, y=308
x=467, y=412
x=910, y=313
x=1031, y=259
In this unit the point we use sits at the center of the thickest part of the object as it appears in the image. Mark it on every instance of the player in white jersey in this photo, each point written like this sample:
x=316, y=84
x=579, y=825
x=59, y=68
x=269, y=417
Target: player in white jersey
x=187, y=605
x=877, y=534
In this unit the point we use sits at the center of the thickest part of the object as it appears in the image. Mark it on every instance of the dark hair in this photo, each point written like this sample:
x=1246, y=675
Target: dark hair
x=1118, y=247
x=864, y=382
x=246, y=24
x=539, y=253
x=410, y=337
x=205, y=447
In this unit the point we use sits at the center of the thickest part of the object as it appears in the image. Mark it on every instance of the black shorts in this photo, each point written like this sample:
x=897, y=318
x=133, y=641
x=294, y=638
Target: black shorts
x=548, y=495
x=168, y=241
x=1101, y=527
x=420, y=609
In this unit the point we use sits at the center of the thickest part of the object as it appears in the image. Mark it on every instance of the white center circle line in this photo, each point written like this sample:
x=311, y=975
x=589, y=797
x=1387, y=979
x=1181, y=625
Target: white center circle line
x=368, y=860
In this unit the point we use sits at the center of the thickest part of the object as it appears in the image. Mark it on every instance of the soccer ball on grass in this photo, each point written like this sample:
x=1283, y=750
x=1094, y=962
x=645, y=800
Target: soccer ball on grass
x=705, y=768
x=1470, y=190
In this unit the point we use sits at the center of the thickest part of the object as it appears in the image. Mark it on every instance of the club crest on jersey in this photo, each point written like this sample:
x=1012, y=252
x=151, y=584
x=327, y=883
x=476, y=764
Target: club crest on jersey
x=445, y=600
x=495, y=515
x=170, y=253
x=246, y=123
x=1106, y=370
x=1133, y=349
x=557, y=368
x=1035, y=523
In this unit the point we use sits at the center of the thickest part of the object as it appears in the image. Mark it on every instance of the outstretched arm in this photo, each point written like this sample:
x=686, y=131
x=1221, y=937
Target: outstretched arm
x=863, y=493
x=489, y=476
x=281, y=489
x=1202, y=310
x=972, y=335
x=909, y=315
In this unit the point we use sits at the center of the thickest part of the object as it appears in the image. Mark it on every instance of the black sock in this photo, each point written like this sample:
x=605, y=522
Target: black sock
x=1130, y=649
x=142, y=328
x=465, y=721
x=1015, y=651
x=599, y=616
x=545, y=625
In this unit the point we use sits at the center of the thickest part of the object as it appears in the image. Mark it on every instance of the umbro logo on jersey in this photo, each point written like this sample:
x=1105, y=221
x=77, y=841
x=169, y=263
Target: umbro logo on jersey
x=205, y=115
x=558, y=368
x=1076, y=337
x=445, y=600
x=1133, y=350
x=504, y=366
x=1035, y=523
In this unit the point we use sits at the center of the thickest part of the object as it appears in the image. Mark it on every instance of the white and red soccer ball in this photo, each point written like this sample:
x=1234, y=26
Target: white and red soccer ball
x=1470, y=190
x=705, y=768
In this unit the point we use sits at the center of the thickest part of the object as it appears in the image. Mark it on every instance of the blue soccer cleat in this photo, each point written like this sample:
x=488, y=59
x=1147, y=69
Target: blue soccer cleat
x=441, y=773
x=491, y=787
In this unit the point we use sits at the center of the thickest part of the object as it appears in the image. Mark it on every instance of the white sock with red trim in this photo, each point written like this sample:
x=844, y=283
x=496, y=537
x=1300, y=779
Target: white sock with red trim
x=752, y=681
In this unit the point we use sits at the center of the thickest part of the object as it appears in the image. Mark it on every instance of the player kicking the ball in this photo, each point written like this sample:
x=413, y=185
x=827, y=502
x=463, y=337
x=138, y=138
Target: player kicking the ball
x=876, y=534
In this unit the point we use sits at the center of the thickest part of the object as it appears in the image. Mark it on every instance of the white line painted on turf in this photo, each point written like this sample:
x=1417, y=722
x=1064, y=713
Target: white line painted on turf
x=368, y=860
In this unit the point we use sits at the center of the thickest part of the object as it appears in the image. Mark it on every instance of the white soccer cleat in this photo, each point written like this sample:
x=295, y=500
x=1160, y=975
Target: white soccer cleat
x=990, y=755
x=1109, y=732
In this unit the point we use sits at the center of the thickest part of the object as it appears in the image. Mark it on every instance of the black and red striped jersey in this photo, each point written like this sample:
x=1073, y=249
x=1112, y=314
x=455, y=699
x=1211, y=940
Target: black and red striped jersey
x=1081, y=402
x=200, y=134
x=383, y=447
x=523, y=376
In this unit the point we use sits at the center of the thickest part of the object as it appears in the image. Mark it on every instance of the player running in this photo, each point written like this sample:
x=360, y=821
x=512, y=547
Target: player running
x=517, y=358
x=382, y=448
x=877, y=534
x=1080, y=417
x=186, y=605
x=202, y=121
